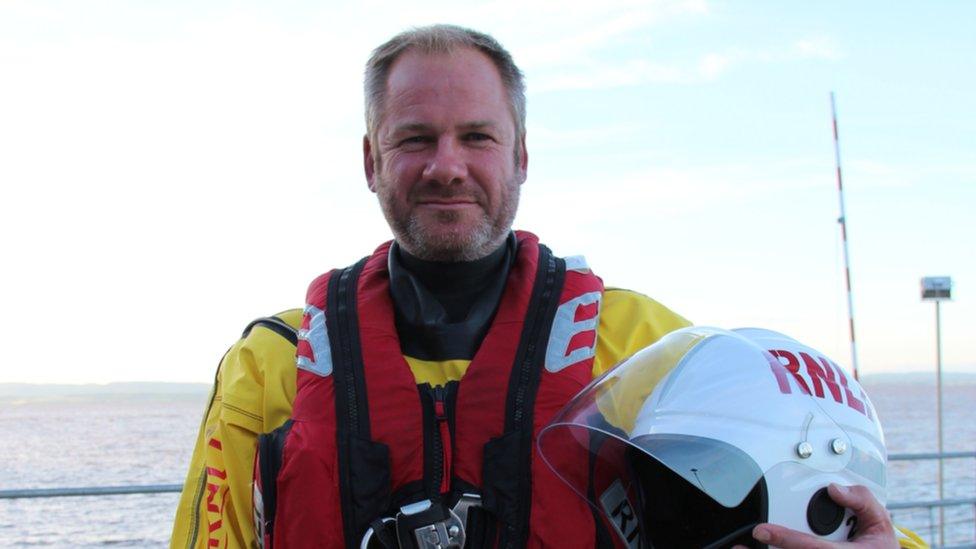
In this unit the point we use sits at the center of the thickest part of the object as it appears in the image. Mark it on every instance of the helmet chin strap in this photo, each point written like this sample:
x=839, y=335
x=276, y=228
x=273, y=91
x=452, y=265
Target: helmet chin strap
x=727, y=540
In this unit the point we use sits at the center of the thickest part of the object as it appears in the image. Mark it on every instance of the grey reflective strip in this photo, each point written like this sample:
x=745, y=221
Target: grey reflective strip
x=317, y=337
x=258, y=508
x=576, y=263
x=565, y=326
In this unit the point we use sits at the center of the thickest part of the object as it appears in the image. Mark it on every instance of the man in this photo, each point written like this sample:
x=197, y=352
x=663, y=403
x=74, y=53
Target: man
x=494, y=332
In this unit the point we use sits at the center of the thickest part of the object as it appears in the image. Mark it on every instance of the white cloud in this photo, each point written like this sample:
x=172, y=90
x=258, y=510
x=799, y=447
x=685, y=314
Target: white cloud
x=572, y=45
x=817, y=48
x=677, y=191
x=878, y=174
x=541, y=138
x=713, y=65
x=606, y=76
x=29, y=9
x=594, y=73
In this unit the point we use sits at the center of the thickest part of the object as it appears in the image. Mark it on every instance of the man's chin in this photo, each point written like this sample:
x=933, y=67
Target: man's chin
x=450, y=245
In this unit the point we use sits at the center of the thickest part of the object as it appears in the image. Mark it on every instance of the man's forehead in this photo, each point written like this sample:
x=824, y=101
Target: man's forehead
x=460, y=89
x=415, y=68
x=419, y=126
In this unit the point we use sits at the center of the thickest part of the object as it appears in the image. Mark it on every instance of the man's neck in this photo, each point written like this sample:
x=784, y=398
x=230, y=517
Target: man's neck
x=443, y=309
x=451, y=278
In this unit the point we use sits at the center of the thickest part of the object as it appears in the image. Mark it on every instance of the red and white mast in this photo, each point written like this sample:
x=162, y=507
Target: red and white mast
x=843, y=231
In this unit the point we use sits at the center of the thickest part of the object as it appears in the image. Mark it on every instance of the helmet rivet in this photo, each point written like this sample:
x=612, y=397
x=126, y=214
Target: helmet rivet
x=453, y=531
x=804, y=450
x=838, y=446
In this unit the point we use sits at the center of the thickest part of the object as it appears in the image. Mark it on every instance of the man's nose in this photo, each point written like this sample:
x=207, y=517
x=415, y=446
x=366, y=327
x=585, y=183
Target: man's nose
x=447, y=165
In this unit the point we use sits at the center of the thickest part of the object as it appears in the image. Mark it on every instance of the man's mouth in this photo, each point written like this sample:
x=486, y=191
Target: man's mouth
x=456, y=202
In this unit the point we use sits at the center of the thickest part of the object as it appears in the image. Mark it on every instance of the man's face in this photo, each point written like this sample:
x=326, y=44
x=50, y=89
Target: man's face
x=443, y=160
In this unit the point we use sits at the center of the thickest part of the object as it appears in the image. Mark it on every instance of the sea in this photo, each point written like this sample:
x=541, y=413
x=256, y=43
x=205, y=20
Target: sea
x=121, y=439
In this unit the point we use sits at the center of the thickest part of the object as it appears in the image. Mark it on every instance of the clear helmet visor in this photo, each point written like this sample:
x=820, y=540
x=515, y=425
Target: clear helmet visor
x=718, y=409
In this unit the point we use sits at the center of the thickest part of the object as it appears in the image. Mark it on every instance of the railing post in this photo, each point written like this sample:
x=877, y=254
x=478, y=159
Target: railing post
x=938, y=401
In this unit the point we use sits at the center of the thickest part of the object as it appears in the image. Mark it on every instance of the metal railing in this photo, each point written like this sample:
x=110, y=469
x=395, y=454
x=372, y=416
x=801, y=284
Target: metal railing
x=931, y=505
x=937, y=524
x=90, y=491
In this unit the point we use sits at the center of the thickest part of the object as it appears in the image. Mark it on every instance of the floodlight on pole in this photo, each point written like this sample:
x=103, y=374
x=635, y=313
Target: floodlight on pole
x=938, y=289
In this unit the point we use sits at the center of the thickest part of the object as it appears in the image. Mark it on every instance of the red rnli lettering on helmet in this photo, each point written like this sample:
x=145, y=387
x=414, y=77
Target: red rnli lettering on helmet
x=816, y=373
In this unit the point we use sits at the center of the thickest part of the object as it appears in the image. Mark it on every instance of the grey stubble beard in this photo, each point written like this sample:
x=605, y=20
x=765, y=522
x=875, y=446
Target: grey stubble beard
x=485, y=238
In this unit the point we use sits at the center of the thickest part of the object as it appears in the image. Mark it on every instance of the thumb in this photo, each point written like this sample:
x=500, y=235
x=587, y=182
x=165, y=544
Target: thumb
x=859, y=499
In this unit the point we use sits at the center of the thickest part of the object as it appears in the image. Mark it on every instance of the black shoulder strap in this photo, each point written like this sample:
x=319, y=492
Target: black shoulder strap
x=364, y=465
x=271, y=447
x=342, y=322
x=276, y=325
x=523, y=386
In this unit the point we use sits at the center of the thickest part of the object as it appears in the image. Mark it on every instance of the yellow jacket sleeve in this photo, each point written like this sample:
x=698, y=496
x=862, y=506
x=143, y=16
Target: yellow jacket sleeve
x=630, y=321
x=252, y=394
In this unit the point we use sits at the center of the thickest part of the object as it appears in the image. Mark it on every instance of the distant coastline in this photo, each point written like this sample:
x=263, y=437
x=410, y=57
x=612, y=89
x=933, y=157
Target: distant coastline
x=10, y=391
x=962, y=378
x=120, y=390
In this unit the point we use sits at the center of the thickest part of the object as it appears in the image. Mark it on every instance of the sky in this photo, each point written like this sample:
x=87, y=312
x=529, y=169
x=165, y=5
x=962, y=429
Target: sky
x=170, y=171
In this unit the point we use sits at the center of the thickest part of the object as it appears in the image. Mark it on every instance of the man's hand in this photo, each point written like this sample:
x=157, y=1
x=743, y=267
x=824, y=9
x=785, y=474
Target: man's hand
x=874, y=527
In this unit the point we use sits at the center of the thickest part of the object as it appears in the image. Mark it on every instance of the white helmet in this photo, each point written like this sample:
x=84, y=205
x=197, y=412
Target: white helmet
x=696, y=439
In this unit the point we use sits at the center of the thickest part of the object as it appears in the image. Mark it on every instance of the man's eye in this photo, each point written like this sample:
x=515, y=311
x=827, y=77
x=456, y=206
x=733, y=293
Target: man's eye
x=415, y=139
x=477, y=136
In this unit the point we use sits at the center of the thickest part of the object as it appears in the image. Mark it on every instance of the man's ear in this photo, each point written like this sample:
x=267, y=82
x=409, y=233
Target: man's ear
x=523, y=165
x=369, y=164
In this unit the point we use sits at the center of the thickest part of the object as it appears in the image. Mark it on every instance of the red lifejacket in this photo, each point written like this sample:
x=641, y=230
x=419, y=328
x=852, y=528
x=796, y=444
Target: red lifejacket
x=354, y=450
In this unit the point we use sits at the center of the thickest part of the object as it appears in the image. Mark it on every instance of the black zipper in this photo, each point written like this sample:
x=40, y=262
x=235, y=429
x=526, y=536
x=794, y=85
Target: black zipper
x=530, y=358
x=442, y=447
x=348, y=373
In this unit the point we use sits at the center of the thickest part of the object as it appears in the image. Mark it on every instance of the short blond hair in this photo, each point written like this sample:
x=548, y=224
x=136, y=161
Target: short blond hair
x=438, y=39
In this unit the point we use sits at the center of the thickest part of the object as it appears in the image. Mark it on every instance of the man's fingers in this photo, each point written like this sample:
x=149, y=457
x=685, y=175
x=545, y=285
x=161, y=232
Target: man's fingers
x=778, y=536
x=874, y=526
x=859, y=499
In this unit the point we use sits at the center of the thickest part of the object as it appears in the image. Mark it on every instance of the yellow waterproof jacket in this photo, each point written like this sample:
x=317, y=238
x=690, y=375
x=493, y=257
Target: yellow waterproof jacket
x=255, y=388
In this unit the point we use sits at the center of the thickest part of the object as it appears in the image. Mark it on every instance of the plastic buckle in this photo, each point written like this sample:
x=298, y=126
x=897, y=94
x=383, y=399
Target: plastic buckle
x=429, y=526
x=425, y=525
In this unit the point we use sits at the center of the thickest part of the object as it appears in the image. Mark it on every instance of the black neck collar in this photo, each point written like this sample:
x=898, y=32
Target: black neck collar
x=444, y=309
